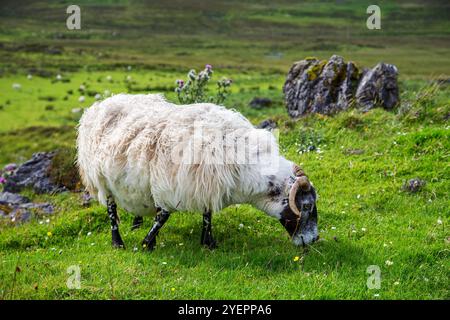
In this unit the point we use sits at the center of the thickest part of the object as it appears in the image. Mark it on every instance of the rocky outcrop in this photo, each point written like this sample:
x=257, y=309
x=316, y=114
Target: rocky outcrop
x=378, y=86
x=18, y=208
x=34, y=174
x=327, y=87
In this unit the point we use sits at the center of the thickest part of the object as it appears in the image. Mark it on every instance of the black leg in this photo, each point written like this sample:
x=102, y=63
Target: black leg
x=207, y=238
x=150, y=240
x=114, y=218
x=137, y=223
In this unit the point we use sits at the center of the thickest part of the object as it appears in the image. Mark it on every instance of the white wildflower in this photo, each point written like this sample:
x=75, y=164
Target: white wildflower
x=17, y=86
x=81, y=99
x=389, y=262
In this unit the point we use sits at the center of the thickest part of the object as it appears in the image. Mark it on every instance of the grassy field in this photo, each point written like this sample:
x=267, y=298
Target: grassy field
x=365, y=217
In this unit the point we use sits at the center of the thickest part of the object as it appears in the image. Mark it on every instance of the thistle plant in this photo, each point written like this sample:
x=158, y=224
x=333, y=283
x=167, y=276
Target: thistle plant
x=5, y=173
x=195, y=89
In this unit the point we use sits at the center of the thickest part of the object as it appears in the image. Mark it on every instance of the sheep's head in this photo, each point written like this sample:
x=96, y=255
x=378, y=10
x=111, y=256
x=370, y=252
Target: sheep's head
x=296, y=208
x=299, y=217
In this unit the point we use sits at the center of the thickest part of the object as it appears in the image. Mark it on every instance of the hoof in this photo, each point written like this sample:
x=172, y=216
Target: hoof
x=148, y=245
x=117, y=241
x=137, y=223
x=118, y=245
x=210, y=244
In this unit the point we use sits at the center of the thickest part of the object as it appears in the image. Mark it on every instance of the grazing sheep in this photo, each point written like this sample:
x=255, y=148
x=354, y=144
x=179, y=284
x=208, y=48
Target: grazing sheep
x=152, y=157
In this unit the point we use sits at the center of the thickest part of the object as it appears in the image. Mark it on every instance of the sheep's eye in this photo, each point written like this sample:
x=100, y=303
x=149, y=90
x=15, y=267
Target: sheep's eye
x=307, y=206
x=274, y=191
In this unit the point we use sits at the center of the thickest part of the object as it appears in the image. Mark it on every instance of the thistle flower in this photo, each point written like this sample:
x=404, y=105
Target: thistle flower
x=10, y=167
x=2, y=180
x=180, y=83
x=208, y=67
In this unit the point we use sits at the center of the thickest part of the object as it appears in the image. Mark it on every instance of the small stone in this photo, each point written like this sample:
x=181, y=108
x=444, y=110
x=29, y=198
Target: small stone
x=414, y=185
x=259, y=103
x=267, y=124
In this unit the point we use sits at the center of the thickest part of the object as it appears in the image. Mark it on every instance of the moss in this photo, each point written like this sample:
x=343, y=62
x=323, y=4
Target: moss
x=63, y=170
x=315, y=70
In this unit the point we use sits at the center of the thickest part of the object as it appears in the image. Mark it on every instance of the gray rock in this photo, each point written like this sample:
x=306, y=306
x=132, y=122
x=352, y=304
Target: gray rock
x=258, y=103
x=379, y=87
x=327, y=87
x=414, y=185
x=34, y=174
x=8, y=198
x=267, y=124
x=20, y=209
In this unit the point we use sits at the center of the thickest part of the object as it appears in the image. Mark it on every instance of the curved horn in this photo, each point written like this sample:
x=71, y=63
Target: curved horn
x=298, y=171
x=302, y=183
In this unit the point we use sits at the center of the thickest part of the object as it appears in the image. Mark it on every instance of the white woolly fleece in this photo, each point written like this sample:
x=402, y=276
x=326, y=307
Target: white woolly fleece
x=147, y=152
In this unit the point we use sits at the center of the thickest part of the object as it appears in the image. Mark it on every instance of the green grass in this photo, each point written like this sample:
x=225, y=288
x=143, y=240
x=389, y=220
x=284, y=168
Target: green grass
x=357, y=190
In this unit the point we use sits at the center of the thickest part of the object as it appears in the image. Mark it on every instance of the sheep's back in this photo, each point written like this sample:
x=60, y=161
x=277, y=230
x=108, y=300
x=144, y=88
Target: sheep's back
x=127, y=147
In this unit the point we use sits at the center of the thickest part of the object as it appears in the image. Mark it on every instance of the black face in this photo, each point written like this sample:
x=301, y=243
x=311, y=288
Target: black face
x=303, y=232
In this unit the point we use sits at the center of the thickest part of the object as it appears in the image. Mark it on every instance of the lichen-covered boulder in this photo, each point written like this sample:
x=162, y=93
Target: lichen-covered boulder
x=329, y=86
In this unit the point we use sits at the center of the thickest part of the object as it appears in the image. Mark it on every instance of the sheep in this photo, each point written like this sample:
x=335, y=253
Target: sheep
x=152, y=158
